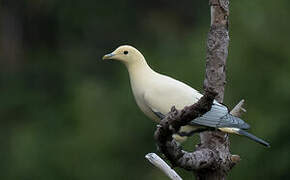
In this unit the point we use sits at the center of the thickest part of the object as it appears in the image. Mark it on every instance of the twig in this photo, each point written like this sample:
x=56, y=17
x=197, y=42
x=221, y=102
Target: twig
x=162, y=165
x=238, y=109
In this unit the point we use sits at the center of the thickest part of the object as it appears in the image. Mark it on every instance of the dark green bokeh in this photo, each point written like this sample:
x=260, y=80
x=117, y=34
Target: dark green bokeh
x=66, y=114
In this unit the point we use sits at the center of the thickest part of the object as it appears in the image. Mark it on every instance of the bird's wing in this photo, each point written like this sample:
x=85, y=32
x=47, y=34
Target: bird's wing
x=219, y=117
x=169, y=92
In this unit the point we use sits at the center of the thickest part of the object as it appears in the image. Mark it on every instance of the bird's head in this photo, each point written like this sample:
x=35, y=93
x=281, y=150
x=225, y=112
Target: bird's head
x=126, y=54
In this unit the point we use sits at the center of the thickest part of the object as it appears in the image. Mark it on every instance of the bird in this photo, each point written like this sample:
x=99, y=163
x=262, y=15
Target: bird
x=155, y=94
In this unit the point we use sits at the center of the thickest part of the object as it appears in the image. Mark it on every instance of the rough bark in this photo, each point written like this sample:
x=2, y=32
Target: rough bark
x=215, y=78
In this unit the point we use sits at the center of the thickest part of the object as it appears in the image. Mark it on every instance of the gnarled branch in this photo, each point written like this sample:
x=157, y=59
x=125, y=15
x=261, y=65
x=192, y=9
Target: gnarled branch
x=171, y=124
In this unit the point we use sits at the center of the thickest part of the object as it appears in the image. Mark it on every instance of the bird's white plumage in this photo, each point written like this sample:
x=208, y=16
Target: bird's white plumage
x=155, y=92
x=168, y=92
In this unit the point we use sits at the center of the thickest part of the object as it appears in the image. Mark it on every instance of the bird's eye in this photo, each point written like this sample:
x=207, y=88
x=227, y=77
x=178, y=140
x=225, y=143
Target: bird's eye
x=126, y=52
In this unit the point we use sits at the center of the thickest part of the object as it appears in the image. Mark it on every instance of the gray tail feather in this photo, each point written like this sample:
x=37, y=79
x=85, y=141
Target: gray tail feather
x=254, y=138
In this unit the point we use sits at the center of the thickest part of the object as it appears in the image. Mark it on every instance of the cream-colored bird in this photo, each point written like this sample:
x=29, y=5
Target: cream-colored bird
x=155, y=94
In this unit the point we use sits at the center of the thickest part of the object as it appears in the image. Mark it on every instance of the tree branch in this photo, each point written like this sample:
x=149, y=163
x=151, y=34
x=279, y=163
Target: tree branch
x=171, y=124
x=160, y=164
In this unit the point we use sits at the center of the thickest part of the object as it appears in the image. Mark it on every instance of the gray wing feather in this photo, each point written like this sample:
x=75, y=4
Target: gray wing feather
x=158, y=114
x=219, y=117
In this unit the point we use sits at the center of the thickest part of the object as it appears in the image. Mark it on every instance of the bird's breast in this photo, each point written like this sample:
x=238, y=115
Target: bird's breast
x=138, y=92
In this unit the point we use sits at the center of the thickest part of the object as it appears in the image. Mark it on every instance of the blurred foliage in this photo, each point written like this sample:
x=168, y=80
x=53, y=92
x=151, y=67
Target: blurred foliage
x=65, y=114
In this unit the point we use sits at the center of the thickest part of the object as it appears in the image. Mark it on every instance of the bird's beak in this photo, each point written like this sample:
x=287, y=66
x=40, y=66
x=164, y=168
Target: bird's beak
x=108, y=56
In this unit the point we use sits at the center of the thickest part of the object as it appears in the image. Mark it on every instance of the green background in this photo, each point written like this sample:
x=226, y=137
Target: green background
x=66, y=114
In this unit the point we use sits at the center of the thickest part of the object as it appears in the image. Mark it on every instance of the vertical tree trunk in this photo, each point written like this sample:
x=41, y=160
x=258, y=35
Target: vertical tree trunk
x=212, y=159
x=215, y=77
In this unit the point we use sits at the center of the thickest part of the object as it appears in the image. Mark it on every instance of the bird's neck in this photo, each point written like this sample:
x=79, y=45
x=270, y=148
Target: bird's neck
x=140, y=75
x=139, y=69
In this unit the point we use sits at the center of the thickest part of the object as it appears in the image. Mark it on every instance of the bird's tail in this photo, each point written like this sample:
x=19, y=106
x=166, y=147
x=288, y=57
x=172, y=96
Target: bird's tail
x=245, y=133
x=251, y=136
